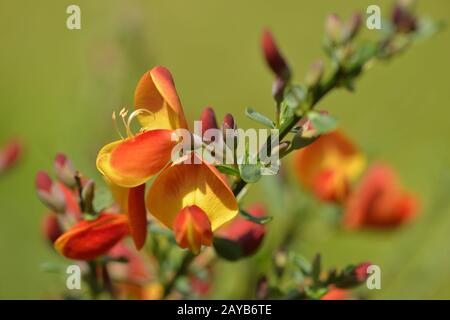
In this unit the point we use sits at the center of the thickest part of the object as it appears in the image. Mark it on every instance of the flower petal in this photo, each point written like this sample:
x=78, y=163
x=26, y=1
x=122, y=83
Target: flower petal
x=156, y=93
x=192, y=229
x=137, y=215
x=89, y=239
x=200, y=184
x=378, y=201
x=133, y=161
x=330, y=153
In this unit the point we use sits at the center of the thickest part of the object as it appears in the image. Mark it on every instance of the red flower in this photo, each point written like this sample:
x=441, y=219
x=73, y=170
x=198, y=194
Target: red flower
x=247, y=234
x=89, y=239
x=379, y=201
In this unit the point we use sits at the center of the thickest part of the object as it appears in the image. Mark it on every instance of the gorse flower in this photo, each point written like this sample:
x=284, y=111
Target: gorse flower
x=378, y=201
x=195, y=192
x=87, y=240
x=329, y=165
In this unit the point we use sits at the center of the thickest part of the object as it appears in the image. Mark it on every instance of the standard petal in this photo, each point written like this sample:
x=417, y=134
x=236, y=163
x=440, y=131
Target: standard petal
x=133, y=161
x=156, y=93
x=89, y=239
x=182, y=185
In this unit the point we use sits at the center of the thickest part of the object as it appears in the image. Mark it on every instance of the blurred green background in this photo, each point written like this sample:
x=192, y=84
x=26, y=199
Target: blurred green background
x=59, y=87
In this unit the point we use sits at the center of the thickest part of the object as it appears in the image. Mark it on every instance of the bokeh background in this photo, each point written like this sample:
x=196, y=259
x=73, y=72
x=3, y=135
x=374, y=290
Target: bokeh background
x=59, y=87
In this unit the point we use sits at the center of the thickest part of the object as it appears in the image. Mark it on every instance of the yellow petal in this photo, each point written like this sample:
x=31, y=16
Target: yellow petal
x=181, y=185
x=156, y=93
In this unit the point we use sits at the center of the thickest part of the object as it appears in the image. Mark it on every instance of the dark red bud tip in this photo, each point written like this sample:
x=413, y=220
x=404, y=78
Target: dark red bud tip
x=43, y=181
x=9, y=154
x=361, y=271
x=403, y=19
x=273, y=56
x=60, y=159
x=208, y=119
x=228, y=122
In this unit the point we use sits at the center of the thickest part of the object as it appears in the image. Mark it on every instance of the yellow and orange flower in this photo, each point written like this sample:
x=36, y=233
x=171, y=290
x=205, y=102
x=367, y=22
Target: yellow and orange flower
x=193, y=199
x=89, y=239
x=329, y=165
x=196, y=192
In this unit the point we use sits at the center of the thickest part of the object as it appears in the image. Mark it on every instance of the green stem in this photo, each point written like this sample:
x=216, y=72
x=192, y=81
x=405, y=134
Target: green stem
x=185, y=262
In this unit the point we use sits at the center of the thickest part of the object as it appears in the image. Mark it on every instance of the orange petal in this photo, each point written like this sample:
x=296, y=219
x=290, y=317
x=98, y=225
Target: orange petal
x=133, y=161
x=378, y=201
x=156, y=93
x=332, y=152
x=137, y=215
x=192, y=229
x=89, y=239
x=181, y=185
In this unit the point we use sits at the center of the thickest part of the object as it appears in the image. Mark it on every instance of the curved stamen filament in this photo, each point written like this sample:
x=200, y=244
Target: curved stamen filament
x=127, y=123
x=116, y=126
x=134, y=114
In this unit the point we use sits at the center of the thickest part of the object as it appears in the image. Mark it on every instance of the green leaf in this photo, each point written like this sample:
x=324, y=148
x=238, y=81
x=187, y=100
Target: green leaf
x=258, y=220
x=227, y=249
x=316, y=268
x=228, y=170
x=103, y=198
x=302, y=263
x=298, y=141
x=294, y=96
x=258, y=117
x=250, y=173
x=322, y=123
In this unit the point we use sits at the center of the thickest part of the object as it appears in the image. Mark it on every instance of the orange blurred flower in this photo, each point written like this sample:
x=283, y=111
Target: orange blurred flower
x=89, y=239
x=329, y=165
x=379, y=201
x=337, y=294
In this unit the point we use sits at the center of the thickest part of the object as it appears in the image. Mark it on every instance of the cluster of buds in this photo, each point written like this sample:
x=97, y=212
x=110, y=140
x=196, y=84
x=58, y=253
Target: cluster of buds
x=72, y=225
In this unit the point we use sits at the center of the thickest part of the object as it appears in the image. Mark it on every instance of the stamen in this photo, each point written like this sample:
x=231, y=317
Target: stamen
x=134, y=114
x=116, y=126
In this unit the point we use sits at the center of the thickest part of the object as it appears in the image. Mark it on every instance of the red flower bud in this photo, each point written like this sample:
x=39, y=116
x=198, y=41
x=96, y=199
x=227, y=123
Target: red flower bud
x=192, y=229
x=51, y=229
x=50, y=193
x=249, y=235
x=361, y=271
x=403, y=19
x=64, y=170
x=208, y=119
x=273, y=56
x=9, y=155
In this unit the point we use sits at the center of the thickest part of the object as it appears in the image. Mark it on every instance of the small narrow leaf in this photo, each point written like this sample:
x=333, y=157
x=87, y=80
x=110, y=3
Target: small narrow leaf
x=228, y=170
x=258, y=220
x=258, y=117
x=322, y=123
